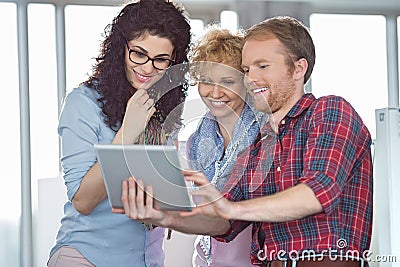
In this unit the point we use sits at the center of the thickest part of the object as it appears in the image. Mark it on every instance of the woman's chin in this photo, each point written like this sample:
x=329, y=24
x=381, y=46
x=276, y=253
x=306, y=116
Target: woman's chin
x=142, y=85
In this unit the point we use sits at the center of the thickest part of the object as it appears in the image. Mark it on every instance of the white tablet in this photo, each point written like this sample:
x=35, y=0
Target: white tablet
x=155, y=165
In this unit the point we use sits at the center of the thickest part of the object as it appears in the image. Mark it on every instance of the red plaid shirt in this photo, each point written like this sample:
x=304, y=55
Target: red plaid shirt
x=324, y=144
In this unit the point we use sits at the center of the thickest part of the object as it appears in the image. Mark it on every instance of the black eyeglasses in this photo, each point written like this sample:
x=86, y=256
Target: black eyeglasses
x=159, y=63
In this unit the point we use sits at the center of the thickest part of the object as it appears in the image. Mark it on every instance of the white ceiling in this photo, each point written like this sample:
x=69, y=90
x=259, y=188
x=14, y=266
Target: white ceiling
x=335, y=6
x=354, y=6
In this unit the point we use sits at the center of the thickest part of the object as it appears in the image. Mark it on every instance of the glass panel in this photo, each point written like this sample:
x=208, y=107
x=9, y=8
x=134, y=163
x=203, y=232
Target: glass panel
x=197, y=27
x=229, y=20
x=43, y=91
x=351, y=61
x=84, y=26
x=10, y=156
x=398, y=52
x=43, y=119
x=193, y=99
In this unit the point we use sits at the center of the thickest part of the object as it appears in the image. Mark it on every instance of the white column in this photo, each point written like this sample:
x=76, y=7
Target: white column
x=60, y=56
x=26, y=251
x=392, y=61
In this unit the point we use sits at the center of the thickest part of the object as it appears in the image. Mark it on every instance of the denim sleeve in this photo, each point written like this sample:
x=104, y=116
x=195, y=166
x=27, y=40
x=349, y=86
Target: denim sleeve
x=78, y=129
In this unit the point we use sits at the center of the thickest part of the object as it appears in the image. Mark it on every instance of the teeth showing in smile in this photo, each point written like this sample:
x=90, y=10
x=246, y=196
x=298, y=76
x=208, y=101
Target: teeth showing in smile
x=259, y=90
x=142, y=77
x=217, y=103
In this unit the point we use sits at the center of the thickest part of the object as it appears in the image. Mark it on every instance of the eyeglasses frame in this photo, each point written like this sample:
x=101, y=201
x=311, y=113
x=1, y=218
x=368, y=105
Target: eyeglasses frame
x=171, y=61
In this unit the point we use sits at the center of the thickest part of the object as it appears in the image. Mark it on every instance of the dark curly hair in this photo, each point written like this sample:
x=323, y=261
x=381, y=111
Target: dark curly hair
x=155, y=17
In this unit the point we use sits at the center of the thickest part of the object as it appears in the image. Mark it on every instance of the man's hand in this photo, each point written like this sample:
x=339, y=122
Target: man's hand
x=208, y=199
x=137, y=202
x=138, y=205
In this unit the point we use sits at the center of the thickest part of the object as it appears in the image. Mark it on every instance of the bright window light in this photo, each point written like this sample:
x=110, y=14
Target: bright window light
x=351, y=61
x=10, y=156
x=84, y=27
x=398, y=46
x=43, y=92
x=197, y=27
x=229, y=20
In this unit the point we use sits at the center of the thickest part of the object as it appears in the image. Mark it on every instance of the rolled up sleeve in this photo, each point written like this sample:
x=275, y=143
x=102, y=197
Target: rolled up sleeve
x=78, y=129
x=331, y=153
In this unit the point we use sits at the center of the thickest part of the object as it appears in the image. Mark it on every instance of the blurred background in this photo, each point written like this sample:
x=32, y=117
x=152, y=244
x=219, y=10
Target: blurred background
x=48, y=47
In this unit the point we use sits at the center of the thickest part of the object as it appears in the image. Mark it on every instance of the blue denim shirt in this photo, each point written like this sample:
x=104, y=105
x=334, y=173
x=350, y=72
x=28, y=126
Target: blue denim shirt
x=104, y=238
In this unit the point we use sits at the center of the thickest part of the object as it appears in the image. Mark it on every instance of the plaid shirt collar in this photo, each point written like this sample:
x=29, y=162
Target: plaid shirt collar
x=301, y=105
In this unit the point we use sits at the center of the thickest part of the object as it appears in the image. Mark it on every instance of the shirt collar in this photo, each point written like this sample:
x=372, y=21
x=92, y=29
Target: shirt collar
x=302, y=104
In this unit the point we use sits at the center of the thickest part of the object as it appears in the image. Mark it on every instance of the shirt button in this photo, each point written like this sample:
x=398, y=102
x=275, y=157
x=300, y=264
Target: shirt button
x=278, y=169
x=283, y=122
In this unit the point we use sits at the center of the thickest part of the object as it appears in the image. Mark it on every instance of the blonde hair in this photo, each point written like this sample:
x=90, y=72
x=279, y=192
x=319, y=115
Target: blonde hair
x=220, y=46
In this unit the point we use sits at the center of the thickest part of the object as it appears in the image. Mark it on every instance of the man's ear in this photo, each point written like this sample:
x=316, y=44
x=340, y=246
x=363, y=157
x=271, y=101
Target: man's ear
x=300, y=69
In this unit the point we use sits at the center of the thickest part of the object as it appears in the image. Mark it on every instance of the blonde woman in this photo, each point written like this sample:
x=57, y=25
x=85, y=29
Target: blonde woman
x=229, y=126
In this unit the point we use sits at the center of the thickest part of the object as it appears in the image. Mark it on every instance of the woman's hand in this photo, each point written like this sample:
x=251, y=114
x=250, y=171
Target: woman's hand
x=139, y=109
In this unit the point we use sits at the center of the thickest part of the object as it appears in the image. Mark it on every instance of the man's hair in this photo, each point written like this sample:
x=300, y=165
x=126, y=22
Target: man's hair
x=155, y=17
x=294, y=36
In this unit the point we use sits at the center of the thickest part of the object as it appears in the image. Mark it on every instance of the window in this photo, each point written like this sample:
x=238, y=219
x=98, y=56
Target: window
x=84, y=31
x=398, y=52
x=197, y=27
x=10, y=192
x=43, y=91
x=351, y=61
x=229, y=20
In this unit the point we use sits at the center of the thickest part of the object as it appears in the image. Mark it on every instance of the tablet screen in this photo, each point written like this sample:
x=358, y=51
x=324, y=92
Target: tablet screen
x=155, y=165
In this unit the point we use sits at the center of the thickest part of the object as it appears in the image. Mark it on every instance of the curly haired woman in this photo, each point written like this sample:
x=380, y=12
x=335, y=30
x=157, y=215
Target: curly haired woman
x=120, y=103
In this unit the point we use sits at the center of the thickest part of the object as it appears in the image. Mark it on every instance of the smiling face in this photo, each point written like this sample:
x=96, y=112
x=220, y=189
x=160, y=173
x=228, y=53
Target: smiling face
x=221, y=89
x=272, y=84
x=142, y=76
